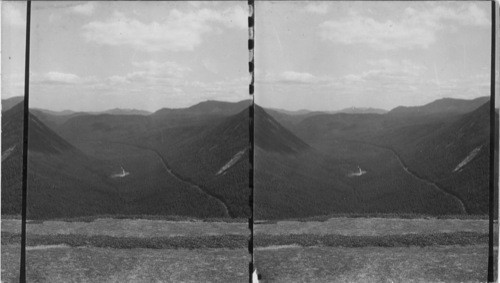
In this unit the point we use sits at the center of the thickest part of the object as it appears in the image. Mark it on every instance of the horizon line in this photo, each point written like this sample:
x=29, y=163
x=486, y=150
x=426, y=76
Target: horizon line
x=239, y=101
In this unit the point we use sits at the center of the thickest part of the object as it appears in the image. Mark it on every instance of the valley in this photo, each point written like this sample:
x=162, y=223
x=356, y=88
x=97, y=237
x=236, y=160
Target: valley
x=177, y=177
x=463, y=210
x=193, y=161
x=405, y=161
x=156, y=157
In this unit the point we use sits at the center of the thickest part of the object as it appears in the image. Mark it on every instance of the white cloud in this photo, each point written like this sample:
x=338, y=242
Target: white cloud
x=12, y=15
x=290, y=78
x=180, y=31
x=60, y=78
x=86, y=9
x=297, y=77
x=382, y=72
x=414, y=29
x=318, y=8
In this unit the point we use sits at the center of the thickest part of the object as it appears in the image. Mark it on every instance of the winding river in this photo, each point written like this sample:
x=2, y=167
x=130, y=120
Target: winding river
x=179, y=178
x=453, y=195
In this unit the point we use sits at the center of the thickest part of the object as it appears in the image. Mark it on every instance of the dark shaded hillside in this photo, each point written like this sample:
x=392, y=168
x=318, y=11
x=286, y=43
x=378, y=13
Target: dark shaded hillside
x=436, y=152
x=273, y=136
x=12, y=162
x=54, y=166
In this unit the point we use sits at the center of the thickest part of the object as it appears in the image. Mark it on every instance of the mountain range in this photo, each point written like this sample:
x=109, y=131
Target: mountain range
x=92, y=164
x=431, y=159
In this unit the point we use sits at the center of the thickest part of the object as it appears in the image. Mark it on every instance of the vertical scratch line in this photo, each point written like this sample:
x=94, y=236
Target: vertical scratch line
x=22, y=268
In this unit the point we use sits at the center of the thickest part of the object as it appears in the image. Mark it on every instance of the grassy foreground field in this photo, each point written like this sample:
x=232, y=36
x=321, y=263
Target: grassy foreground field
x=128, y=227
x=372, y=250
x=91, y=264
x=373, y=264
x=127, y=250
x=373, y=226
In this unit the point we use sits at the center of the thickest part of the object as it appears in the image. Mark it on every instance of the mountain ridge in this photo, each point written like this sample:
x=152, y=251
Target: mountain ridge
x=443, y=105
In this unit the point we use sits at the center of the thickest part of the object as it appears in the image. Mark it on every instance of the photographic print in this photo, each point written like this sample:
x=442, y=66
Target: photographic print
x=372, y=141
x=138, y=141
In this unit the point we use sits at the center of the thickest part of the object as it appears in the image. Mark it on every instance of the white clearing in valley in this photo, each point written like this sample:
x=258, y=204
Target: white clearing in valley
x=121, y=175
x=357, y=174
x=469, y=157
x=231, y=162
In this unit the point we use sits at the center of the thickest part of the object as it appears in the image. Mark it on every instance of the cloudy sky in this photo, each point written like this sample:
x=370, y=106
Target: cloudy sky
x=309, y=54
x=143, y=55
x=332, y=55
